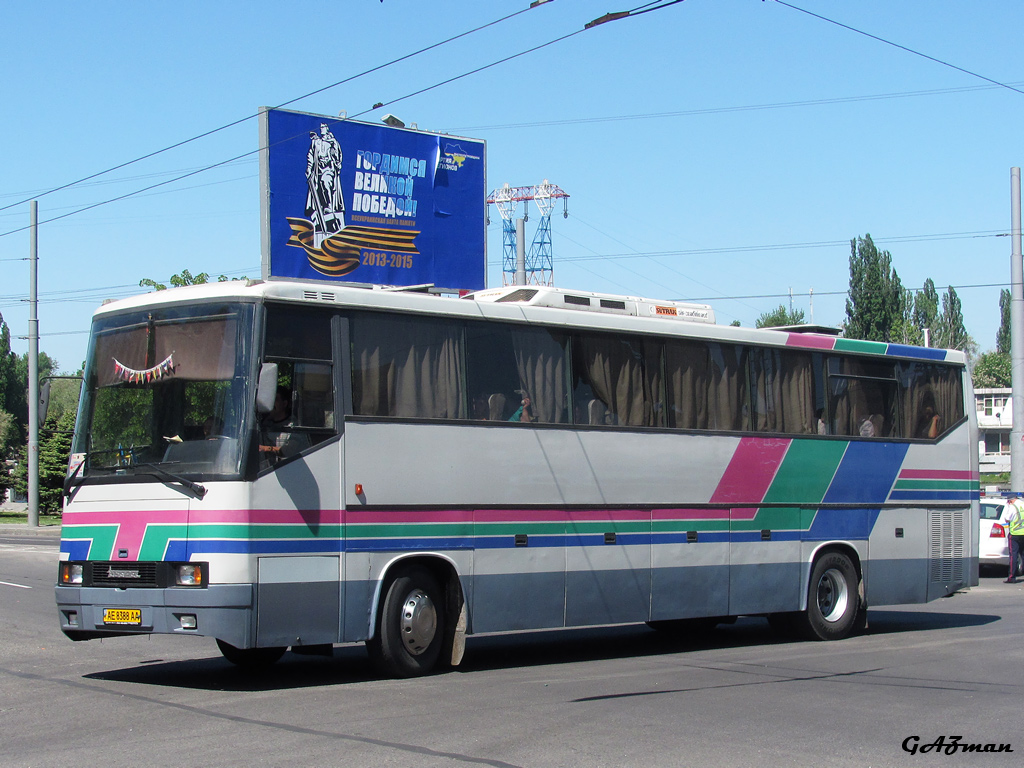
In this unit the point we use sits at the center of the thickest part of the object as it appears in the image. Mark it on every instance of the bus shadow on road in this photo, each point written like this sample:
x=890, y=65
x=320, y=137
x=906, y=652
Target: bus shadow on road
x=350, y=664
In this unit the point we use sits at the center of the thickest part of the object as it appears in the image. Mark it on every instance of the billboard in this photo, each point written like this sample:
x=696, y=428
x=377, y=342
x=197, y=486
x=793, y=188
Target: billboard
x=348, y=201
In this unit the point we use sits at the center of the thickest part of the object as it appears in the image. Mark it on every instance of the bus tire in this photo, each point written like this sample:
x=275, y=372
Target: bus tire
x=250, y=658
x=411, y=625
x=834, y=608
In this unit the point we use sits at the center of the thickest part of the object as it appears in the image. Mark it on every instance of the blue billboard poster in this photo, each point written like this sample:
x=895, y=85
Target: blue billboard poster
x=365, y=203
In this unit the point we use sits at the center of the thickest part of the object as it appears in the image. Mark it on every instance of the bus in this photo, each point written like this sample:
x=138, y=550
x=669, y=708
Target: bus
x=288, y=465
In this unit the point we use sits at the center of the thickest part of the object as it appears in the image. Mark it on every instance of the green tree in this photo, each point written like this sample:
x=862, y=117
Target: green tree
x=950, y=330
x=54, y=451
x=182, y=278
x=991, y=369
x=907, y=330
x=876, y=300
x=926, y=308
x=8, y=448
x=1003, y=334
x=780, y=317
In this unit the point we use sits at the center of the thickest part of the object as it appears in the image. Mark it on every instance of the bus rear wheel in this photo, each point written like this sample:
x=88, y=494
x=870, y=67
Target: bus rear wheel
x=411, y=625
x=250, y=658
x=834, y=609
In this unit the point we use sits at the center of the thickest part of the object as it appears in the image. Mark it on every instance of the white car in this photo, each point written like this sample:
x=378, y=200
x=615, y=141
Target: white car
x=994, y=546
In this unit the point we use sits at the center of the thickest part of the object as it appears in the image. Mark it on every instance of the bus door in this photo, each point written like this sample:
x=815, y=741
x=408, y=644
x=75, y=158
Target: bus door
x=296, y=537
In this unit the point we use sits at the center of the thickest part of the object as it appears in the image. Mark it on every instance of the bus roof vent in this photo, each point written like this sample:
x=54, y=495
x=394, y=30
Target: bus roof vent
x=522, y=294
x=544, y=296
x=318, y=295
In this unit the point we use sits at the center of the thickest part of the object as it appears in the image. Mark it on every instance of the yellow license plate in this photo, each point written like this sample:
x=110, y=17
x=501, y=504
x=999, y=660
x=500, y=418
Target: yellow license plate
x=129, y=616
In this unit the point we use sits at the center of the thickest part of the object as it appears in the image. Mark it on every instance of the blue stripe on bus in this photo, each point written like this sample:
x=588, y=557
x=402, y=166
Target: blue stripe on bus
x=410, y=544
x=263, y=546
x=77, y=550
x=850, y=524
x=749, y=536
x=925, y=353
x=866, y=474
x=506, y=541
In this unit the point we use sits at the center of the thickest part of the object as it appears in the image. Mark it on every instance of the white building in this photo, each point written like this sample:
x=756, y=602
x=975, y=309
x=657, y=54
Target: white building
x=995, y=418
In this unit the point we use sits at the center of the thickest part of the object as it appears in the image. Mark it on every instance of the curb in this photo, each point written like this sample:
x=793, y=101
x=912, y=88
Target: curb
x=40, y=532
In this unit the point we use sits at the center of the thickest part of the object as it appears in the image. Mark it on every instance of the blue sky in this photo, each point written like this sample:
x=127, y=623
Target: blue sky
x=717, y=150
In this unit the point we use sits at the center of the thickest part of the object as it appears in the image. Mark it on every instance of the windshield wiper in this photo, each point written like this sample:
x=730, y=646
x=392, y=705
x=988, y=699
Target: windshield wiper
x=163, y=474
x=79, y=477
x=199, y=491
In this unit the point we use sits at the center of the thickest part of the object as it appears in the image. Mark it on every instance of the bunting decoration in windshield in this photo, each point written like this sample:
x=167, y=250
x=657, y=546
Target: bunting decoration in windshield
x=159, y=371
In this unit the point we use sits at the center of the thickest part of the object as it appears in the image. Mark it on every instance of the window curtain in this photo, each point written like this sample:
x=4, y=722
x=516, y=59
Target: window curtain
x=727, y=394
x=625, y=375
x=783, y=391
x=406, y=368
x=540, y=362
x=928, y=391
x=688, y=375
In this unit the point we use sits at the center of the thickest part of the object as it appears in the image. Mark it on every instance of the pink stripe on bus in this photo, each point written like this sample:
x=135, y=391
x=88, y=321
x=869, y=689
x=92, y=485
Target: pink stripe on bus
x=937, y=474
x=810, y=341
x=750, y=471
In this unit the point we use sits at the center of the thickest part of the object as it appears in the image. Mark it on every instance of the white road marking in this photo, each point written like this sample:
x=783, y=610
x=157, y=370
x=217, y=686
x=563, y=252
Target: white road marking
x=10, y=584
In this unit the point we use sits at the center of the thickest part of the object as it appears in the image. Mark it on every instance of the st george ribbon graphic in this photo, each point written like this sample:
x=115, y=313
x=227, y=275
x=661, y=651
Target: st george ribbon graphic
x=339, y=253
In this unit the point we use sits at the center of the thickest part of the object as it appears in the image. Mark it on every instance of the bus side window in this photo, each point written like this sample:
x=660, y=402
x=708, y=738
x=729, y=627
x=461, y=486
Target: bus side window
x=299, y=341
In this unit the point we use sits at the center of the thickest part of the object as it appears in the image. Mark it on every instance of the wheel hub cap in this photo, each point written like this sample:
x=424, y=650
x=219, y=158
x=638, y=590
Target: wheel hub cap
x=419, y=622
x=833, y=595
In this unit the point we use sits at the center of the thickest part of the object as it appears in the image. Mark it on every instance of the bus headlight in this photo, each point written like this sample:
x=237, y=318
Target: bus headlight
x=189, y=575
x=71, y=573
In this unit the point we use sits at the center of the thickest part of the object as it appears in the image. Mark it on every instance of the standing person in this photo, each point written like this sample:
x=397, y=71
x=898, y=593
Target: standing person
x=1015, y=533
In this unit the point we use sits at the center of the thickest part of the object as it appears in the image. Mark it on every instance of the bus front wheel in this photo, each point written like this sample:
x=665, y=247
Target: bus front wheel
x=834, y=609
x=411, y=625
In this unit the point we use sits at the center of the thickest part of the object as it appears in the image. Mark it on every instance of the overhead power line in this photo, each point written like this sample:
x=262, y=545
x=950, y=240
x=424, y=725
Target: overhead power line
x=250, y=117
x=902, y=47
x=787, y=246
x=727, y=110
x=378, y=105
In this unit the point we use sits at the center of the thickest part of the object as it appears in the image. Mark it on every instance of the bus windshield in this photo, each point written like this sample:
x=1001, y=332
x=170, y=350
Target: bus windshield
x=165, y=388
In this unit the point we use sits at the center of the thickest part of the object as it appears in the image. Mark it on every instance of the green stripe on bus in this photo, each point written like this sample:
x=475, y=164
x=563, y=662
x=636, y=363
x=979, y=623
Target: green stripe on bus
x=262, y=531
x=934, y=485
x=806, y=472
x=679, y=526
x=102, y=536
x=406, y=530
x=154, y=543
x=777, y=519
x=859, y=345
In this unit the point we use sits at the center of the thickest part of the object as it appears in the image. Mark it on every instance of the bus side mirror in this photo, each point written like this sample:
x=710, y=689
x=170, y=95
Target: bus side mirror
x=266, y=393
x=44, y=401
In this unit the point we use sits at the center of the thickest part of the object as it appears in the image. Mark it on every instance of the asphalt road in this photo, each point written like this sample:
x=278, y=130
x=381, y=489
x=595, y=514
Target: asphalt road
x=624, y=696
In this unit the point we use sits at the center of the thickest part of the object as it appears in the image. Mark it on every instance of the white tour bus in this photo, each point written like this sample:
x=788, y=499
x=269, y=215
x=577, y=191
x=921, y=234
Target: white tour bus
x=288, y=465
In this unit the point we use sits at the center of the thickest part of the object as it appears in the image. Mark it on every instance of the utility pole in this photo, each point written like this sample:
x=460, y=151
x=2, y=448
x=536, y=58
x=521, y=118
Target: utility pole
x=33, y=369
x=1016, y=337
x=520, y=252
